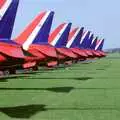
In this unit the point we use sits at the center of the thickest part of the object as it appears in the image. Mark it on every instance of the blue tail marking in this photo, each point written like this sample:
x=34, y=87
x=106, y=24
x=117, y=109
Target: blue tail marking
x=89, y=41
x=7, y=22
x=64, y=37
x=76, y=41
x=83, y=45
x=42, y=37
x=101, y=45
x=93, y=45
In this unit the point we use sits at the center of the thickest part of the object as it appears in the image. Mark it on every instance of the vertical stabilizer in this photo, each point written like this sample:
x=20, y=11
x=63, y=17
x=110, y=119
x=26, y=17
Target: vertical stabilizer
x=84, y=40
x=37, y=31
x=59, y=36
x=99, y=45
x=89, y=41
x=8, y=10
x=74, y=37
x=94, y=42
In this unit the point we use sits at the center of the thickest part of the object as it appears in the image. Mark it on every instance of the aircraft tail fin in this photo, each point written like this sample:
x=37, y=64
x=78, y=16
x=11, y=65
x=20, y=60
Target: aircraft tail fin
x=74, y=37
x=60, y=35
x=93, y=45
x=84, y=39
x=37, y=31
x=99, y=45
x=88, y=43
x=8, y=10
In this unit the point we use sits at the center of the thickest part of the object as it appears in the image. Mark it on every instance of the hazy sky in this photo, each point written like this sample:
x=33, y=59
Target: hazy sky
x=102, y=17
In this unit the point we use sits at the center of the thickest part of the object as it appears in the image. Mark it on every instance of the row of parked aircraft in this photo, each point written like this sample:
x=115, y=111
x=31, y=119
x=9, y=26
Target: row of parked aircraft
x=36, y=45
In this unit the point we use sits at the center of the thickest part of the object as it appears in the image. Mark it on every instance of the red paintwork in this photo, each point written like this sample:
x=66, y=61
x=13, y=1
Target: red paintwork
x=88, y=52
x=72, y=32
x=79, y=52
x=2, y=2
x=66, y=52
x=97, y=42
x=29, y=29
x=2, y=58
x=46, y=50
x=42, y=52
x=52, y=64
x=15, y=53
x=61, y=56
x=96, y=54
x=31, y=59
x=11, y=50
x=62, y=52
x=37, y=54
x=55, y=32
x=93, y=53
x=103, y=54
x=29, y=65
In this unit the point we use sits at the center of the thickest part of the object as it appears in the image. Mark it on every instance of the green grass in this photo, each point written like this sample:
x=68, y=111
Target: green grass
x=80, y=92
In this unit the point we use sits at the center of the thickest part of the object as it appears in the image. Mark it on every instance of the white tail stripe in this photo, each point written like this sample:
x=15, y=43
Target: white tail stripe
x=98, y=44
x=90, y=35
x=83, y=37
x=4, y=8
x=93, y=40
x=34, y=33
x=59, y=35
x=72, y=39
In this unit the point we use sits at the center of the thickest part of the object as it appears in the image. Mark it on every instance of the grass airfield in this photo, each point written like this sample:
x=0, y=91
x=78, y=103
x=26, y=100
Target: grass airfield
x=83, y=91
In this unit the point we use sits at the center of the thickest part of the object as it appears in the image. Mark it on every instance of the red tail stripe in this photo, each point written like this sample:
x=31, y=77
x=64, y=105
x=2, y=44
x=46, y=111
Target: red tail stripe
x=97, y=42
x=72, y=33
x=55, y=32
x=2, y=2
x=26, y=33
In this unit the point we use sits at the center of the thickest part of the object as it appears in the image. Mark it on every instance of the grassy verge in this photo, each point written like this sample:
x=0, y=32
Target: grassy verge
x=80, y=92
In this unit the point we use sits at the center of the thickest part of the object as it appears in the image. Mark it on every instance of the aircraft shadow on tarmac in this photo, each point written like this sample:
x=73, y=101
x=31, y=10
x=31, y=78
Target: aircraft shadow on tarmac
x=27, y=111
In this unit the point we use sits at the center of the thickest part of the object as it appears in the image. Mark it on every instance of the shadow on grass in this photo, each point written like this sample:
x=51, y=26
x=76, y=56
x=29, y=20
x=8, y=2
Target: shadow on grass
x=5, y=78
x=100, y=69
x=66, y=89
x=83, y=78
x=85, y=108
x=29, y=73
x=60, y=89
x=26, y=111
x=53, y=89
x=70, y=78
